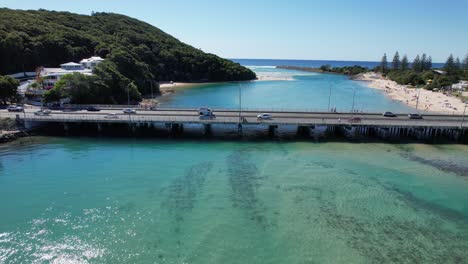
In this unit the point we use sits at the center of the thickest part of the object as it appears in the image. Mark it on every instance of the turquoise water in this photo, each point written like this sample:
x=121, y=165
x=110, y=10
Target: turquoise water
x=83, y=200
x=290, y=90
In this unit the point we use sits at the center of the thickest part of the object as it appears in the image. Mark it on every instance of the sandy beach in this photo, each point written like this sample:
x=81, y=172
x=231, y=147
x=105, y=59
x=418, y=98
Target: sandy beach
x=429, y=101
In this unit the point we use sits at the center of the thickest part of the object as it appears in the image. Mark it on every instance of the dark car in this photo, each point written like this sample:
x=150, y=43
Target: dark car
x=389, y=114
x=93, y=109
x=415, y=116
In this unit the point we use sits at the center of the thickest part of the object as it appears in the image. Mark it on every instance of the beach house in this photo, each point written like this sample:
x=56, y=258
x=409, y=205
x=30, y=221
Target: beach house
x=51, y=75
x=91, y=63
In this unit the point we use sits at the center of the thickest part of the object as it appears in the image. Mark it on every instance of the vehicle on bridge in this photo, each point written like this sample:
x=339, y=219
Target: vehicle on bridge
x=43, y=112
x=15, y=108
x=93, y=109
x=111, y=116
x=129, y=111
x=415, y=116
x=204, y=111
x=264, y=116
x=389, y=114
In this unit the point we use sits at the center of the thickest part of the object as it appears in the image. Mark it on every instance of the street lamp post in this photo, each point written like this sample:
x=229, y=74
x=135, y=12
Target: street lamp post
x=417, y=100
x=354, y=96
x=240, y=104
x=329, y=96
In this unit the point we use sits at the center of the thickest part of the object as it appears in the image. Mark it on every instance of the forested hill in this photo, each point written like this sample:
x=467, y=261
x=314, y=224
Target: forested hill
x=139, y=51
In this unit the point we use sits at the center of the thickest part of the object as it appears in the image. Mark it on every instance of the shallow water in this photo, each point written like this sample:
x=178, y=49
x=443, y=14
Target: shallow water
x=294, y=90
x=85, y=200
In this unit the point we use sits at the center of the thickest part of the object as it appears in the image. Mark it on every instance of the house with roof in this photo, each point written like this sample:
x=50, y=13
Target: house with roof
x=91, y=63
x=52, y=75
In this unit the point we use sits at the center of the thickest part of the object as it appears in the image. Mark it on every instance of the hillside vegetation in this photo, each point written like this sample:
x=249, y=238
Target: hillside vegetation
x=134, y=50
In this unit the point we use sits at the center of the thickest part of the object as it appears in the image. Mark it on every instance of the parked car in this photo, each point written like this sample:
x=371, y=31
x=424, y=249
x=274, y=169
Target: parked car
x=355, y=120
x=129, y=111
x=415, y=116
x=43, y=112
x=15, y=108
x=389, y=114
x=93, y=109
x=264, y=116
x=203, y=111
x=111, y=116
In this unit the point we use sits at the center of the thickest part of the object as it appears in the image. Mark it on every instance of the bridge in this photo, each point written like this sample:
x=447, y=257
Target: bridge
x=432, y=125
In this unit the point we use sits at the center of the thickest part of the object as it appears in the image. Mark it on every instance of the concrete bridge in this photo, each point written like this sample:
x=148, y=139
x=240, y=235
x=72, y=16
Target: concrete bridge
x=305, y=123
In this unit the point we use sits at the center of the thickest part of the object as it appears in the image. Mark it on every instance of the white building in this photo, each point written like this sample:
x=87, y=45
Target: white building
x=91, y=63
x=51, y=75
x=461, y=85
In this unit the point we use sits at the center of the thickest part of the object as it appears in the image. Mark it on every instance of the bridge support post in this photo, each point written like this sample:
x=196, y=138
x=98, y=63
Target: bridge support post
x=207, y=128
x=272, y=130
x=239, y=130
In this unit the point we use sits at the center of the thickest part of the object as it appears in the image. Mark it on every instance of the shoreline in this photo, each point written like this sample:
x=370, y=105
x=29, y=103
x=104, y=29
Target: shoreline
x=429, y=101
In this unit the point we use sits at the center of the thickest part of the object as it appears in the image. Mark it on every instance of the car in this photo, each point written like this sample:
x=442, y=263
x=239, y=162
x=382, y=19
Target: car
x=264, y=116
x=15, y=108
x=203, y=111
x=354, y=120
x=415, y=116
x=210, y=116
x=129, y=111
x=389, y=114
x=93, y=109
x=111, y=116
x=43, y=112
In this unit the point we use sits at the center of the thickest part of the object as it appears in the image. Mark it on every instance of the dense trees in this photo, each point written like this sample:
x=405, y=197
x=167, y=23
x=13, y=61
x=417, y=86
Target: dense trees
x=384, y=64
x=134, y=50
x=8, y=89
x=347, y=70
x=421, y=72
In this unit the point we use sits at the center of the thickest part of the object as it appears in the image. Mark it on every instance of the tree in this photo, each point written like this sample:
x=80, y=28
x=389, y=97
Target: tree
x=423, y=62
x=8, y=89
x=428, y=64
x=396, y=62
x=465, y=62
x=450, y=67
x=417, y=64
x=404, y=63
x=384, y=64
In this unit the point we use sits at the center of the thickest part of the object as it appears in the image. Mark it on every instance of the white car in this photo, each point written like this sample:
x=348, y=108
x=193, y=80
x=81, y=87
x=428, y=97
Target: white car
x=42, y=112
x=264, y=116
x=14, y=108
x=111, y=116
x=129, y=111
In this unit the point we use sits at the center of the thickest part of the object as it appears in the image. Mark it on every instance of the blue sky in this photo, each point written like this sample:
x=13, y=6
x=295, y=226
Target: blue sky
x=295, y=29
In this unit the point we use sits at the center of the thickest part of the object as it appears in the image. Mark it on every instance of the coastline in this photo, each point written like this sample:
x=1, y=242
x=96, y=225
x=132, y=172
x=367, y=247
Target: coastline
x=429, y=101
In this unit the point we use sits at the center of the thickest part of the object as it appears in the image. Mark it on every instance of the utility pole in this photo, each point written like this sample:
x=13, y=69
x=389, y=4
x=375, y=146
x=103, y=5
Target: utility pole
x=329, y=96
x=240, y=104
x=417, y=100
x=128, y=94
x=354, y=96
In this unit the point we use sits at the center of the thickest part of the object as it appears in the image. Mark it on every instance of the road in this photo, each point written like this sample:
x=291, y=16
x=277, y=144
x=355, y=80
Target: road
x=249, y=117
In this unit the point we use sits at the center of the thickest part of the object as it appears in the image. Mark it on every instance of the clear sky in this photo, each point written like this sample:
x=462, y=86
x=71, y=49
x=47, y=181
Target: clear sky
x=295, y=29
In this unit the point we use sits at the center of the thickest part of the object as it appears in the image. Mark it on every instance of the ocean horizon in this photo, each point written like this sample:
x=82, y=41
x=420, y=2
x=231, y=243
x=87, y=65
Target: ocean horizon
x=313, y=63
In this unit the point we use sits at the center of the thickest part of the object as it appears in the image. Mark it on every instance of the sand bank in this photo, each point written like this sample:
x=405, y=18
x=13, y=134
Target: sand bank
x=429, y=101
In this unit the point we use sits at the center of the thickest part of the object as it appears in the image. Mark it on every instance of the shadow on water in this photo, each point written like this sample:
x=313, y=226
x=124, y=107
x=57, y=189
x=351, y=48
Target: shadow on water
x=443, y=165
x=244, y=181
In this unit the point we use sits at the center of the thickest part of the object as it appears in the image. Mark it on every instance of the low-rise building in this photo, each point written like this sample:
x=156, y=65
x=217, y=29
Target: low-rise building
x=52, y=75
x=91, y=63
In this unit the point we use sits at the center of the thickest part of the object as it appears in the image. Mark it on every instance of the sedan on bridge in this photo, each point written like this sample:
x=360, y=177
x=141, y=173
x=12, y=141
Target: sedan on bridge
x=389, y=114
x=15, y=108
x=43, y=112
x=111, y=116
x=264, y=116
x=354, y=120
x=129, y=111
x=415, y=116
